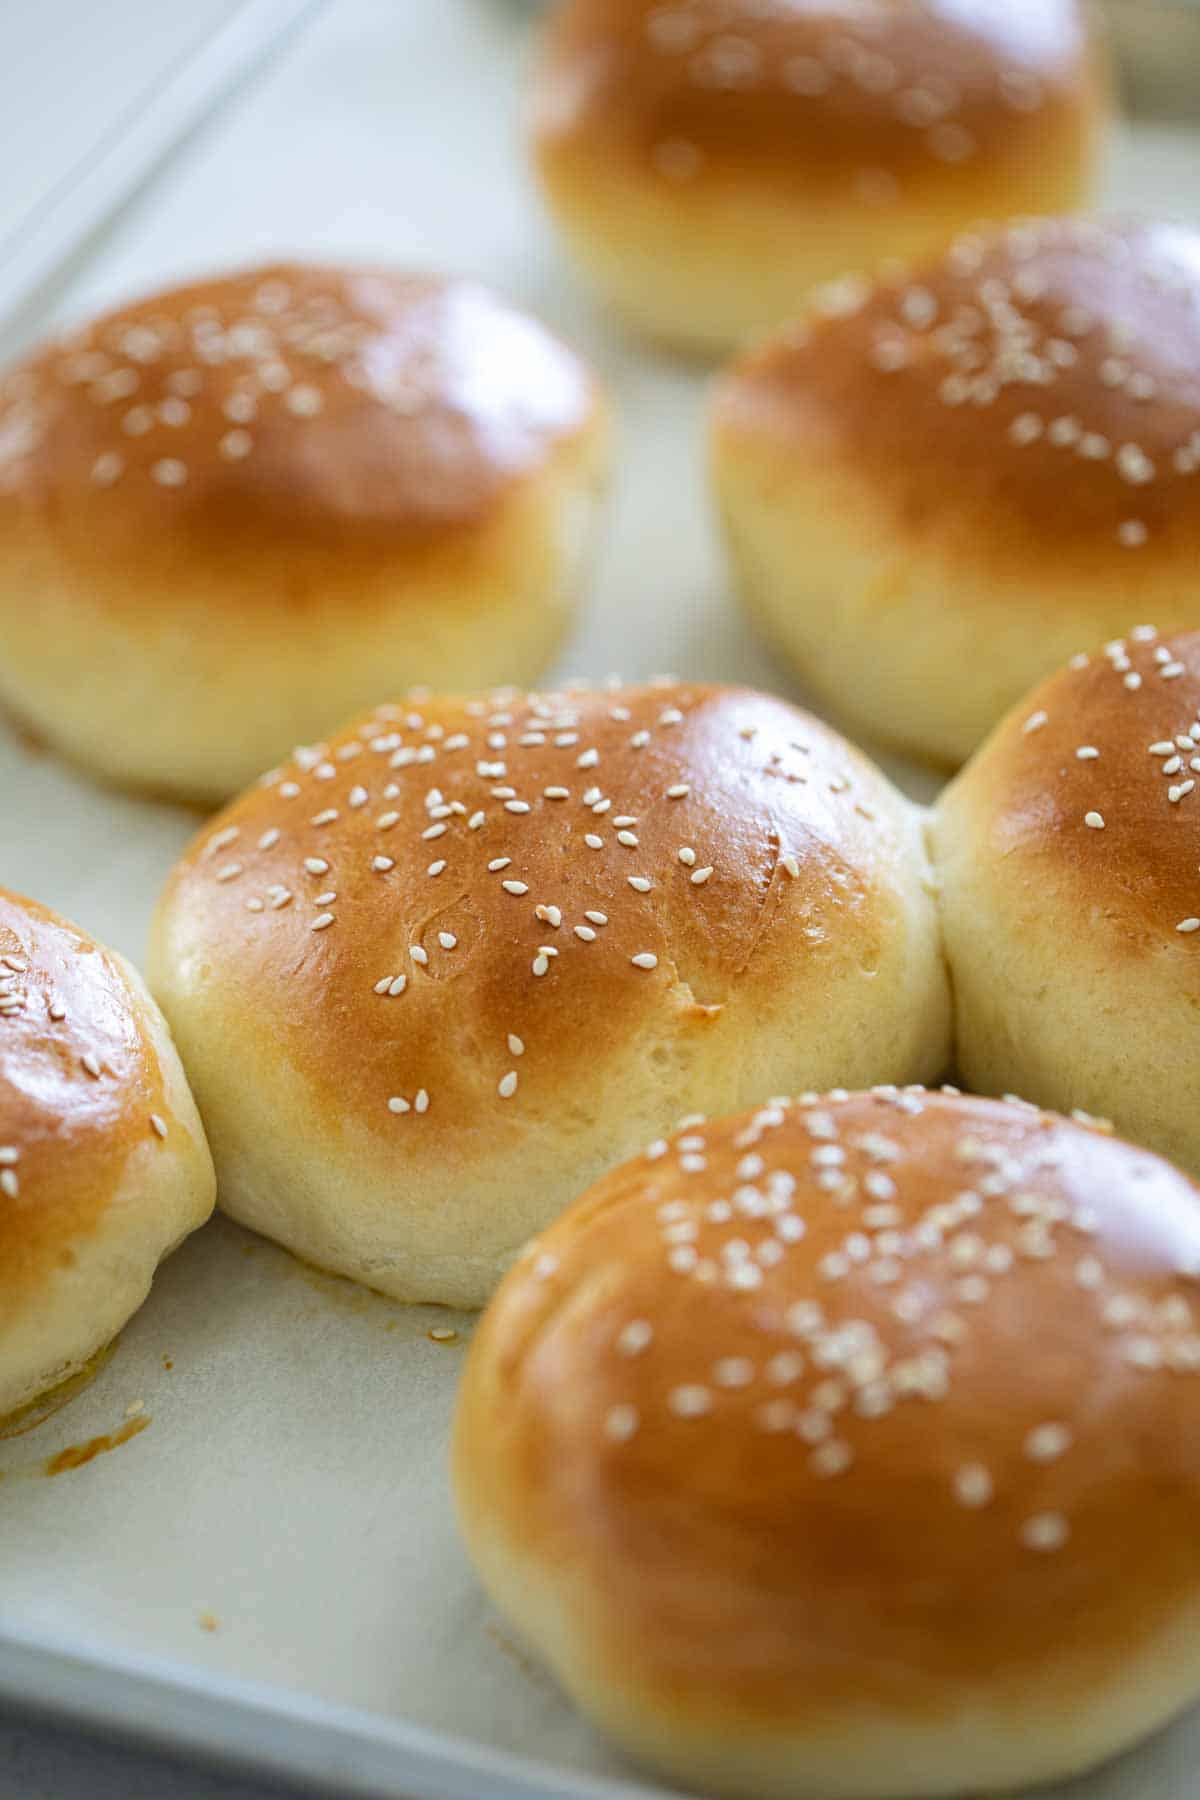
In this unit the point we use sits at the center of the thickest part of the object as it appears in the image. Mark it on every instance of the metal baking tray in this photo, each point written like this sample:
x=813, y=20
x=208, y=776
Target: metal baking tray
x=265, y=1570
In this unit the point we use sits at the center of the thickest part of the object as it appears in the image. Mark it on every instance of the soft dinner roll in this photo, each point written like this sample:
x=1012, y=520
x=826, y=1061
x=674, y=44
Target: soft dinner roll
x=103, y=1163
x=1069, y=856
x=711, y=161
x=434, y=977
x=852, y=1448
x=237, y=511
x=939, y=488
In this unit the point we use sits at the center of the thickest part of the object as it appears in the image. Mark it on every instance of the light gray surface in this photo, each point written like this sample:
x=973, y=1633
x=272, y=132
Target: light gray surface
x=292, y=1481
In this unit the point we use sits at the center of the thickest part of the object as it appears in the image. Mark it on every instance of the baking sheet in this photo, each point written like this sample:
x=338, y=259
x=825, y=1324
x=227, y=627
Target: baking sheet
x=284, y=1518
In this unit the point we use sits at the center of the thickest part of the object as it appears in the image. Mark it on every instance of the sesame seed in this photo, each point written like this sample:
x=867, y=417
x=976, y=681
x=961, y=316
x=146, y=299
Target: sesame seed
x=690, y=1401
x=687, y=856
x=1132, y=534
x=700, y=876
x=645, y=959
x=628, y=838
x=169, y=472
x=973, y=1485
x=515, y=887
x=640, y=884
x=1045, y=1531
x=1094, y=821
x=679, y=792
x=316, y=865
x=158, y=1125
x=398, y=1104
x=593, y=842
x=421, y=1101
x=322, y=922
x=515, y=1044
x=585, y=933
x=635, y=1337
x=541, y=965
x=508, y=1085
x=1188, y=925
x=92, y=1065
x=831, y=1458
x=790, y=867
x=9, y=1184
x=1046, y=1443
x=383, y=863
x=620, y=1423
x=303, y=401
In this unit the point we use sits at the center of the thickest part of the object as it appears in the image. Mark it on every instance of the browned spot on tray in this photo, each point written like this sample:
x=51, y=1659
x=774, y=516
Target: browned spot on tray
x=75, y=1456
x=208, y=1621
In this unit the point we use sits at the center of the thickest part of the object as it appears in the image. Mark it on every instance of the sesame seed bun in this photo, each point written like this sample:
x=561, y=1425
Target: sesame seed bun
x=939, y=487
x=435, y=977
x=247, y=507
x=1068, y=852
x=103, y=1163
x=852, y=1448
x=712, y=161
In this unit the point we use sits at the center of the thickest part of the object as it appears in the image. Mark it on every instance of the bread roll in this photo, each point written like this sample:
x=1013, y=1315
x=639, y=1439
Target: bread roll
x=432, y=978
x=235, y=512
x=852, y=1449
x=711, y=161
x=103, y=1163
x=1069, y=856
x=940, y=487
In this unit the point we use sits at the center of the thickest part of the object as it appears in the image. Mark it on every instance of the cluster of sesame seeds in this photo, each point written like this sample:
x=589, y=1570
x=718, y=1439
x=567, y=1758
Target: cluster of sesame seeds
x=714, y=46
x=829, y=1343
x=30, y=999
x=411, y=815
x=210, y=380
x=1143, y=664
x=1066, y=383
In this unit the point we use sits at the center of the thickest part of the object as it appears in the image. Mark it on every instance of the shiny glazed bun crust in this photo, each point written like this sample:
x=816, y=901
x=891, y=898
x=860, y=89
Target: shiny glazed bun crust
x=235, y=512
x=103, y=1163
x=939, y=487
x=711, y=161
x=436, y=975
x=852, y=1448
x=1068, y=853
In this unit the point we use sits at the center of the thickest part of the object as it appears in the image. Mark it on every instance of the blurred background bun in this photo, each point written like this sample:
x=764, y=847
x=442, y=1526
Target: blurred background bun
x=937, y=488
x=1068, y=853
x=234, y=512
x=852, y=1449
x=710, y=162
x=436, y=975
x=103, y=1163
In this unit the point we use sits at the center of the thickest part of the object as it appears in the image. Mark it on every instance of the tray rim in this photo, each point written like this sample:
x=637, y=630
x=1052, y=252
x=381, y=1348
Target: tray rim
x=257, y=1728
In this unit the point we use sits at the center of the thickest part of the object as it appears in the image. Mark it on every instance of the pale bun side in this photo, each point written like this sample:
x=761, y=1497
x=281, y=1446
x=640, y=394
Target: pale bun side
x=437, y=974
x=939, y=486
x=237, y=511
x=104, y=1168
x=710, y=165
x=806, y=1492
x=1068, y=857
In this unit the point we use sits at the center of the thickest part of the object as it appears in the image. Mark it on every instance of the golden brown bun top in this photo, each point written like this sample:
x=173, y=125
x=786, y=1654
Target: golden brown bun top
x=299, y=399
x=857, y=1398
x=889, y=91
x=80, y=1087
x=550, y=879
x=1095, y=780
x=1039, y=383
